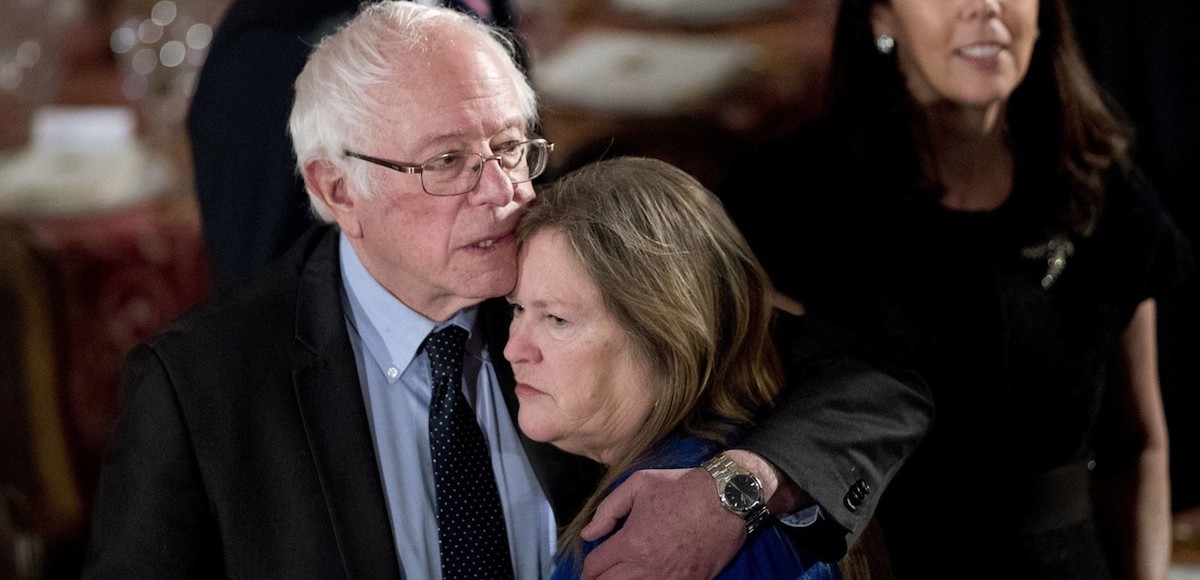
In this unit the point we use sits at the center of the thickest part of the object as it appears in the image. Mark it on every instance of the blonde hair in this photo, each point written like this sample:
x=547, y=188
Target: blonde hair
x=684, y=285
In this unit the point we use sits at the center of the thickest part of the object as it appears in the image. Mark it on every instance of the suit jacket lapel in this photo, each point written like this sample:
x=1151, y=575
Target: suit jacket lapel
x=335, y=420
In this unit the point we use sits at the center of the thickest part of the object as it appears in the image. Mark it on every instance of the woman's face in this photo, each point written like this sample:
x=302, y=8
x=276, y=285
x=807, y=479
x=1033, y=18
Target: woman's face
x=579, y=383
x=969, y=53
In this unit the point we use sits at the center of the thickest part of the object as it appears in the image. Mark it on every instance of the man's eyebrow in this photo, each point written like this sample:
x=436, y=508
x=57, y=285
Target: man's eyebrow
x=435, y=139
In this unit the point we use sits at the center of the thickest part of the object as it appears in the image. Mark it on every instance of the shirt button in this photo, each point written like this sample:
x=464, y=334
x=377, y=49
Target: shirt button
x=393, y=372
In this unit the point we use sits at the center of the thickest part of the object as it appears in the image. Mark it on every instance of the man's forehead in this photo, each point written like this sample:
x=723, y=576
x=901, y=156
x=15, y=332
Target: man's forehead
x=454, y=113
x=454, y=89
x=450, y=120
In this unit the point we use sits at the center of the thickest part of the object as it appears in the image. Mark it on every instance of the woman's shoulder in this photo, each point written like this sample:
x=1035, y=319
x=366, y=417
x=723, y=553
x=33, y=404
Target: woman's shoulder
x=1134, y=252
x=1137, y=227
x=1131, y=196
x=679, y=450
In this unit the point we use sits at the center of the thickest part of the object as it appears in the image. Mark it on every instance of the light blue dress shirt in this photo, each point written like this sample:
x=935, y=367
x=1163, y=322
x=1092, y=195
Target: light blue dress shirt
x=394, y=372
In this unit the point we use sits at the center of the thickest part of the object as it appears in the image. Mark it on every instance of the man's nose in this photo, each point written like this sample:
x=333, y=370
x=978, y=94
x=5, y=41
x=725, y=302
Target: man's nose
x=495, y=187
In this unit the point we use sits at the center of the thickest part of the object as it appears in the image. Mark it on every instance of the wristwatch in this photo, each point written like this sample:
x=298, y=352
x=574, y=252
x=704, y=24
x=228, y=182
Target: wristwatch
x=739, y=491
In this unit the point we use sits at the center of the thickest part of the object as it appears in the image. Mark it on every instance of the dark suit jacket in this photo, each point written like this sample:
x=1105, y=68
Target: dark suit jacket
x=244, y=448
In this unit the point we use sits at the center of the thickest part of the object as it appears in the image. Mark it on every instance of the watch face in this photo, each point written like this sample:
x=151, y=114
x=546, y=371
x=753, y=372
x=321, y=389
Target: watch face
x=742, y=492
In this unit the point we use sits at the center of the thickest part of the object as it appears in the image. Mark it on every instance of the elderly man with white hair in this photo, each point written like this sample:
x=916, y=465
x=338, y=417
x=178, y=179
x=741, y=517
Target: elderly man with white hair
x=348, y=413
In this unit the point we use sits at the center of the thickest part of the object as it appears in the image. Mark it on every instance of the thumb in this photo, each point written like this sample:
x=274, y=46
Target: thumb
x=610, y=511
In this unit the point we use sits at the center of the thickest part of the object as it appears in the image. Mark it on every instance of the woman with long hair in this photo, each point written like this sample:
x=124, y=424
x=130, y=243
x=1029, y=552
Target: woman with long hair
x=642, y=338
x=968, y=201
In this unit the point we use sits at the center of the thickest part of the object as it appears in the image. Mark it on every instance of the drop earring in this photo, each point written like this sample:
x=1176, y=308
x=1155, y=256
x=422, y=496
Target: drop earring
x=884, y=44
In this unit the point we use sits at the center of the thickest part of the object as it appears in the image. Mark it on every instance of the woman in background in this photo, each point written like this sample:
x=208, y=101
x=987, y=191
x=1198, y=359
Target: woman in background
x=641, y=337
x=968, y=202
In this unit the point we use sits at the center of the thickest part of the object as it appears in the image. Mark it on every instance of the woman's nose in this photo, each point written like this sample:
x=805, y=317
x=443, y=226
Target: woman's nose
x=981, y=8
x=519, y=348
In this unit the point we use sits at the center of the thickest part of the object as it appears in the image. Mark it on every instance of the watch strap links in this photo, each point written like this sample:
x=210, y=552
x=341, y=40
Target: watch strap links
x=722, y=468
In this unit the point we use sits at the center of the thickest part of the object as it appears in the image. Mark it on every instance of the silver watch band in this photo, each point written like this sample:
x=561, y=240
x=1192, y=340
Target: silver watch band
x=721, y=468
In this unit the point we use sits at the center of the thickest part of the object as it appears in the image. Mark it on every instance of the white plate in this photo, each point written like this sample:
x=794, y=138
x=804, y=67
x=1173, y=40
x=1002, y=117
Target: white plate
x=697, y=11
x=643, y=74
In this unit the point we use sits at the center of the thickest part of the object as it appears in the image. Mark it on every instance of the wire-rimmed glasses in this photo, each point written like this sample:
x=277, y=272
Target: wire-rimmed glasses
x=459, y=172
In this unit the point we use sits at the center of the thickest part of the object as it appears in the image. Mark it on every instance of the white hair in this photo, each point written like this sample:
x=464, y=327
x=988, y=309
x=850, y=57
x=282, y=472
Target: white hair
x=334, y=106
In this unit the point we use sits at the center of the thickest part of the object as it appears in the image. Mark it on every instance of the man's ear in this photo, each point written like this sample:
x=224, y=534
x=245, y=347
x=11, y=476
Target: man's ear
x=328, y=183
x=882, y=20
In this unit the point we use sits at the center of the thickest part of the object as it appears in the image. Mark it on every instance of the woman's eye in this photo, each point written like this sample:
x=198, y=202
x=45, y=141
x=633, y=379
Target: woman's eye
x=516, y=308
x=556, y=321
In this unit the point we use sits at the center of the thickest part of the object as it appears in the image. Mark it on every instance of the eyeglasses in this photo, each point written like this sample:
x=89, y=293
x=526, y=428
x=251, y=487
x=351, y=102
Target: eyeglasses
x=459, y=172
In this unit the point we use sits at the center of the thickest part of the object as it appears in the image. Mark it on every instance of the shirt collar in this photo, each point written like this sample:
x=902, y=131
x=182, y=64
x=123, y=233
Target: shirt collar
x=392, y=331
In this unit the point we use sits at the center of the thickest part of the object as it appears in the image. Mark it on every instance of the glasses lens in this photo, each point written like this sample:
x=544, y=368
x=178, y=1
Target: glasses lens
x=452, y=173
x=536, y=154
x=533, y=163
x=457, y=173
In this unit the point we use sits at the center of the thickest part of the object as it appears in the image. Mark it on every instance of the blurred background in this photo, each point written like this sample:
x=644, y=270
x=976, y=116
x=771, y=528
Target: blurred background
x=100, y=237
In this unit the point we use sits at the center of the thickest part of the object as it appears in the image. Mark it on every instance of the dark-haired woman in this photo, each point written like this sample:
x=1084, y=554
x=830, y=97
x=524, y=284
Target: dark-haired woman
x=968, y=201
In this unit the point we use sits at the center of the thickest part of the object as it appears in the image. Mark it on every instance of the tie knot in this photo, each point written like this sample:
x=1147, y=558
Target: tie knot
x=445, y=346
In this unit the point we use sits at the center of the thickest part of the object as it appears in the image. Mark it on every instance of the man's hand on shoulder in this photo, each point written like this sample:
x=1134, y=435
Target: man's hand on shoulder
x=675, y=528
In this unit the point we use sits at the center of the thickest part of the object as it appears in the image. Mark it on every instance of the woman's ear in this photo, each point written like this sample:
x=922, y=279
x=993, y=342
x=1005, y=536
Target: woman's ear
x=328, y=184
x=882, y=20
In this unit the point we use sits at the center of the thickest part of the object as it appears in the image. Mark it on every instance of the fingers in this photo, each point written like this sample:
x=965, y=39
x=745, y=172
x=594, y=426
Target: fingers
x=617, y=572
x=601, y=563
x=664, y=531
x=614, y=507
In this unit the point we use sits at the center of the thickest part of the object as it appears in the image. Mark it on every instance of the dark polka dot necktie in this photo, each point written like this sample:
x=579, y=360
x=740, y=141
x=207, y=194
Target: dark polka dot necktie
x=471, y=531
